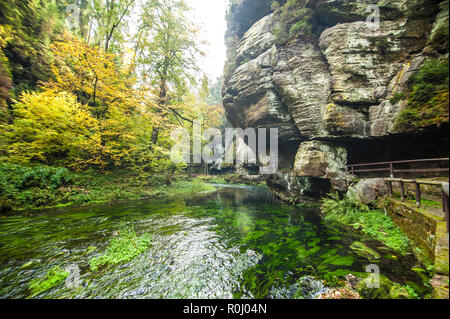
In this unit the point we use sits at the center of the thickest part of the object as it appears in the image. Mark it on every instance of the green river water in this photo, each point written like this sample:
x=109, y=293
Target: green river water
x=236, y=243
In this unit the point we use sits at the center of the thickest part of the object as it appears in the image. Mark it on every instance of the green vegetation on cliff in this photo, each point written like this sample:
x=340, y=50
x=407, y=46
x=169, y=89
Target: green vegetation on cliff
x=293, y=19
x=428, y=99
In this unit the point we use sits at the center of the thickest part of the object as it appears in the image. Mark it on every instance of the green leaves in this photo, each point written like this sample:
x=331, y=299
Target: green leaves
x=428, y=97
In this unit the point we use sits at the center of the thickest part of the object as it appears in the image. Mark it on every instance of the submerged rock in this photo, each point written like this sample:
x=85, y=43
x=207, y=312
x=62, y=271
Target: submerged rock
x=365, y=251
x=309, y=288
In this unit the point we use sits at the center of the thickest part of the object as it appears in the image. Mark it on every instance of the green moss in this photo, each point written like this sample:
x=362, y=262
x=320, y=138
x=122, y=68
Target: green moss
x=398, y=97
x=402, y=292
x=293, y=19
x=428, y=97
x=53, y=278
x=374, y=223
x=123, y=248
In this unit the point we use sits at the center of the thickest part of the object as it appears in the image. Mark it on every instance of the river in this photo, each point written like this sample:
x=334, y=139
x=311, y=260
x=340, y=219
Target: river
x=238, y=242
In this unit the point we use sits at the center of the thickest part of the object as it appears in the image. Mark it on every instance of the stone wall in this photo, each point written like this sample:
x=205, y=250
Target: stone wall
x=418, y=226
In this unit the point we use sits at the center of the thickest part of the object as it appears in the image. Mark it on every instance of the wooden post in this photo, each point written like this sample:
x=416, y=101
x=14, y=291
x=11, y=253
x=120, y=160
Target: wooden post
x=391, y=169
x=353, y=170
x=402, y=190
x=417, y=194
x=391, y=191
x=445, y=206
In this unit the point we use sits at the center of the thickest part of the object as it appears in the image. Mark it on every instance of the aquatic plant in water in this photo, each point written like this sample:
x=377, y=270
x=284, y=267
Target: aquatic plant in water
x=122, y=249
x=53, y=278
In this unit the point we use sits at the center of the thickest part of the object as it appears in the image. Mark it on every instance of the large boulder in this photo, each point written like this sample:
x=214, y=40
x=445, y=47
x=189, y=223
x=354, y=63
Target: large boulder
x=302, y=79
x=371, y=189
x=321, y=160
x=250, y=98
x=363, y=60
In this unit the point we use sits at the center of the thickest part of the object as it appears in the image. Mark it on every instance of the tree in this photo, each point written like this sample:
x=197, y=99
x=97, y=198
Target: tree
x=48, y=127
x=203, y=92
x=167, y=52
x=27, y=28
x=103, y=23
x=92, y=75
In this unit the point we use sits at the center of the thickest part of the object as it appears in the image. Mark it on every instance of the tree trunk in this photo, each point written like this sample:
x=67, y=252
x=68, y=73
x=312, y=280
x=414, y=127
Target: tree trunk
x=161, y=103
x=155, y=133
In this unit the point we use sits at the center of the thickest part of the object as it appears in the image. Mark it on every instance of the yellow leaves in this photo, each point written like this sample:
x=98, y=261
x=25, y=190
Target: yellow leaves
x=92, y=75
x=46, y=125
x=5, y=35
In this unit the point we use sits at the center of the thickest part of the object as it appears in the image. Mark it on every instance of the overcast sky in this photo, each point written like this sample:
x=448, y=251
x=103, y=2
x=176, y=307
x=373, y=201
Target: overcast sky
x=209, y=15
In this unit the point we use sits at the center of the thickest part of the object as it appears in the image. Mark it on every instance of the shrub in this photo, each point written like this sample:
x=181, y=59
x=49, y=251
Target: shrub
x=345, y=210
x=32, y=185
x=23, y=177
x=48, y=127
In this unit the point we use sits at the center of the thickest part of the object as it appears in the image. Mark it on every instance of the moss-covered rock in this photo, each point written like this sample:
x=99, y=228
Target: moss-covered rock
x=398, y=291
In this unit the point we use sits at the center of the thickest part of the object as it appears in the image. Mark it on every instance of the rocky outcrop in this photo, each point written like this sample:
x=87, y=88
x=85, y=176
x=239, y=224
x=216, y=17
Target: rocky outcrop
x=326, y=87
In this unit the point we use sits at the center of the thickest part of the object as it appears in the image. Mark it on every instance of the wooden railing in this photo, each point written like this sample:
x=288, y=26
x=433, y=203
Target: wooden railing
x=443, y=185
x=390, y=167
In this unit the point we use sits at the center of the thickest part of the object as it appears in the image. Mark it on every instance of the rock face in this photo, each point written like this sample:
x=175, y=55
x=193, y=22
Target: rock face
x=328, y=87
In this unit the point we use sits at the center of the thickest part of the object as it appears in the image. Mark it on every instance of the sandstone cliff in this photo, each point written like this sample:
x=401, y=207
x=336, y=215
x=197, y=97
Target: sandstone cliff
x=337, y=85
